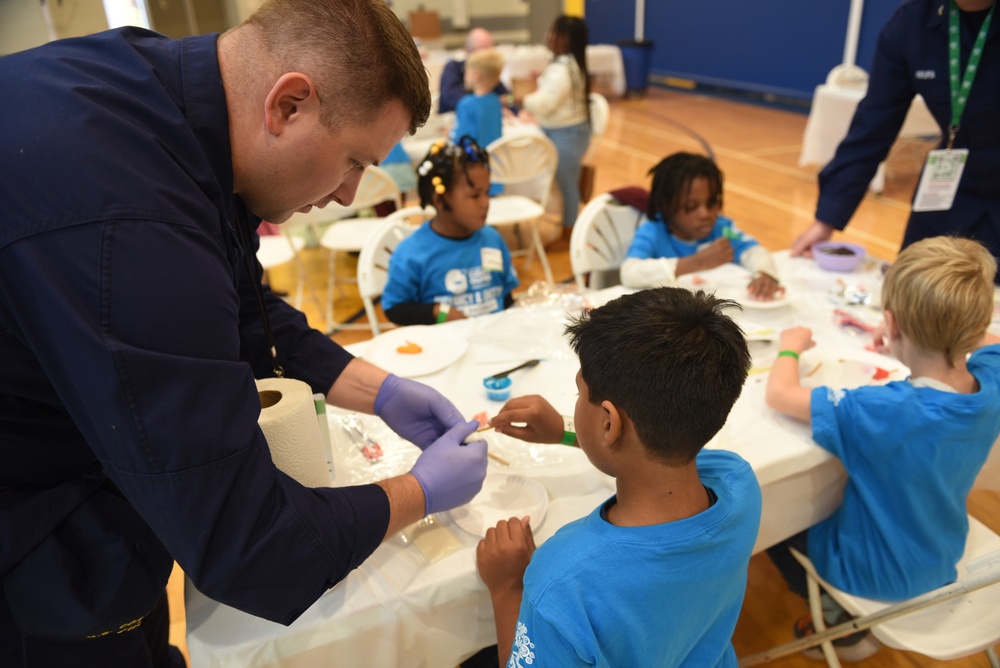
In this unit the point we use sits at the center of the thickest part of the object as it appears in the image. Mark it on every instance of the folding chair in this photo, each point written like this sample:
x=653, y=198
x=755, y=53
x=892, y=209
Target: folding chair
x=600, y=240
x=349, y=235
x=951, y=622
x=373, y=261
x=278, y=249
x=526, y=166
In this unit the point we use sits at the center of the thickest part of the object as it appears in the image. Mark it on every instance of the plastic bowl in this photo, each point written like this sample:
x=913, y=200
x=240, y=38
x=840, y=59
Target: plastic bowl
x=838, y=255
x=498, y=389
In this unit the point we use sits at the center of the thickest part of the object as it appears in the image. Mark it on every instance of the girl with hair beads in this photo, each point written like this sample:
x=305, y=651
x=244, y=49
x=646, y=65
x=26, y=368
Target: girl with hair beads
x=454, y=266
x=685, y=232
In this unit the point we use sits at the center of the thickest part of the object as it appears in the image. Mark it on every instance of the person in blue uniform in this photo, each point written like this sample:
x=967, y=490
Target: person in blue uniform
x=134, y=170
x=452, y=87
x=913, y=58
x=455, y=265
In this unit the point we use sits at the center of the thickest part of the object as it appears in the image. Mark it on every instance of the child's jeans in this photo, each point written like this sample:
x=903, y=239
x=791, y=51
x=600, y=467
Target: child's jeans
x=795, y=575
x=571, y=143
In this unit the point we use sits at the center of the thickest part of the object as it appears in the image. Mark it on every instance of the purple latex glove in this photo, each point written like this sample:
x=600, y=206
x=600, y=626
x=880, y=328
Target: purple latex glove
x=449, y=472
x=415, y=411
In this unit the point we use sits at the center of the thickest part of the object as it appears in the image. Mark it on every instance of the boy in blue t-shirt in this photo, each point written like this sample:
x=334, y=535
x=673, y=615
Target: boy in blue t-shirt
x=480, y=113
x=685, y=232
x=454, y=266
x=912, y=448
x=655, y=576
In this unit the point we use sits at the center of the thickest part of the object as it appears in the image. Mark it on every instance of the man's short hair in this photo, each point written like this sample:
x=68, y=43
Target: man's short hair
x=940, y=291
x=357, y=53
x=670, y=359
x=489, y=64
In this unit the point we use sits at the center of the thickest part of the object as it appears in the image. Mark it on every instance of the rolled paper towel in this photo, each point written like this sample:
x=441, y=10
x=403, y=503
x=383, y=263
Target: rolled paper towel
x=288, y=420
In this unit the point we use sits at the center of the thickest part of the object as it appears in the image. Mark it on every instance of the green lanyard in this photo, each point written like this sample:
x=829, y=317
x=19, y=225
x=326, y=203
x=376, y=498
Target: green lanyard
x=960, y=92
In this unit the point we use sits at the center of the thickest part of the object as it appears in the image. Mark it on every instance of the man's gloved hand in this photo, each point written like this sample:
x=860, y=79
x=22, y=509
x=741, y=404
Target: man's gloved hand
x=449, y=472
x=415, y=411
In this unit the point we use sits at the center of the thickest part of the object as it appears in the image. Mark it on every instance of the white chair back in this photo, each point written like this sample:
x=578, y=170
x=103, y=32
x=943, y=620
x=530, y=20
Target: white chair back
x=376, y=186
x=525, y=165
x=373, y=260
x=601, y=238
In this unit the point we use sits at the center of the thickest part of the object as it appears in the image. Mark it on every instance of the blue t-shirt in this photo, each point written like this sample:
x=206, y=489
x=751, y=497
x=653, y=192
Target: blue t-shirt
x=596, y=594
x=473, y=275
x=480, y=117
x=911, y=455
x=653, y=240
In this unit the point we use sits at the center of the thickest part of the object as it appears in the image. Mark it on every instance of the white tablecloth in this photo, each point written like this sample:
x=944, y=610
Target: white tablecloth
x=399, y=610
x=604, y=62
x=830, y=117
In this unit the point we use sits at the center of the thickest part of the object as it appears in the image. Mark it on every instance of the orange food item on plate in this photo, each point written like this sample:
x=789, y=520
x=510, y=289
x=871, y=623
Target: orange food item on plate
x=409, y=348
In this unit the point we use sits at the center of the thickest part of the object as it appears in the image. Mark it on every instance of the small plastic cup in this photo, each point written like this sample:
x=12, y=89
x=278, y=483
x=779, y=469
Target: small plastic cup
x=498, y=389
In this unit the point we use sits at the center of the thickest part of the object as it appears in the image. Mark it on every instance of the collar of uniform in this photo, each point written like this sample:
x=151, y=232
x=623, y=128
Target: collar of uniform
x=205, y=104
x=939, y=19
x=939, y=14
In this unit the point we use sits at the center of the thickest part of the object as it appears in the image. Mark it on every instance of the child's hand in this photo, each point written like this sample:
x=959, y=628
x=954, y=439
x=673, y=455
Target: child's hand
x=542, y=423
x=765, y=287
x=503, y=555
x=880, y=339
x=715, y=254
x=798, y=339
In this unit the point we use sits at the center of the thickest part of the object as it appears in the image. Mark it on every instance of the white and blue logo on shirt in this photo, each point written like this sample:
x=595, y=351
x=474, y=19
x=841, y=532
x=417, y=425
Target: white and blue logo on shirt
x=522, y=649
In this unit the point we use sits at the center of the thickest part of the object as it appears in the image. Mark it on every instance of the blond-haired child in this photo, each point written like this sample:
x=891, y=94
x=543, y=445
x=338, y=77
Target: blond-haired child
x=912, y=448
x=480, y=113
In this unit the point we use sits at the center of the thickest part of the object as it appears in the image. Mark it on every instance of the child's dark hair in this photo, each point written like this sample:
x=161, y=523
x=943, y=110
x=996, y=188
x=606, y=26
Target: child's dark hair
x=436, y=174
x=577, y=36
x=670, y=359
x=673, y=176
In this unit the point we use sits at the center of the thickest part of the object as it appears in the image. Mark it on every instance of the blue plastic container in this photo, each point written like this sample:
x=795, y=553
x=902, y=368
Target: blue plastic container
x=498, y=389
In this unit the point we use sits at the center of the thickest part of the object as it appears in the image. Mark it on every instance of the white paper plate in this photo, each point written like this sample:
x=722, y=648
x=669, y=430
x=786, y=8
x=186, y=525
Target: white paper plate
x=503, y=496
x=849, y=373
x=439, y=350
x=746, y=301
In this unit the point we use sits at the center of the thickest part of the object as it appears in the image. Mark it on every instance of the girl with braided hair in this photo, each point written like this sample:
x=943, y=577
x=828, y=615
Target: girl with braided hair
x=454, y=266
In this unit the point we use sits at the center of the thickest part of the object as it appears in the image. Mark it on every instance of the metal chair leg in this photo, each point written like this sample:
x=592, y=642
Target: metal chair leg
x=819, y=624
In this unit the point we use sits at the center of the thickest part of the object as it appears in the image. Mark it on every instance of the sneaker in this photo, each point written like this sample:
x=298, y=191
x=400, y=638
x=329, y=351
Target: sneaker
x=855, y=647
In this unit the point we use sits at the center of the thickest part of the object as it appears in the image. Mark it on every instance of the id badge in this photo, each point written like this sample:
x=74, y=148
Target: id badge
x=939, y=182
x=492, y=259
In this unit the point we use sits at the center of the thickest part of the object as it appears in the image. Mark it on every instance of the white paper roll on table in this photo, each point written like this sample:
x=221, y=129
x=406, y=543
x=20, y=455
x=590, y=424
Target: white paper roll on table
x=288, y=420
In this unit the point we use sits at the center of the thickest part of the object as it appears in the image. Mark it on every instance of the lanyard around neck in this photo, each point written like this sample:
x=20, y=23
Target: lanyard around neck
x=960, y=90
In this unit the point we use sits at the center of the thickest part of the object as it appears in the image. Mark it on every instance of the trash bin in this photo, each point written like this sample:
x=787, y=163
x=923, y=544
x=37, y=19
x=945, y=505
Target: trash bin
x=635, y=57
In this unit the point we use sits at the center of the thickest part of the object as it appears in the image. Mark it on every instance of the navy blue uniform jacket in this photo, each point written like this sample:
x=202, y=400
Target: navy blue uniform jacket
x=911, y=58
x=129, y=343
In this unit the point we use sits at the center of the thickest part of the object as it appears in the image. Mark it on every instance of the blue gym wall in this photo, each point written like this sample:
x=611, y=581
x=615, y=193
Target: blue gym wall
x=779, y=47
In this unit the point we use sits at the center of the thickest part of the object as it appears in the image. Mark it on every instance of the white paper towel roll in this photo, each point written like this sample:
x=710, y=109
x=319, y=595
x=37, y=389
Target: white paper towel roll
x=288, y=420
